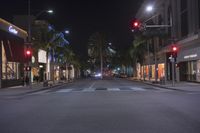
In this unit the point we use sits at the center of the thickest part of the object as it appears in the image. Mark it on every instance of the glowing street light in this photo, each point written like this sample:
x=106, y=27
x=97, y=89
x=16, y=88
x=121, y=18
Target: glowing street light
x=149, y=8
x=66, y=31
x=50, y=11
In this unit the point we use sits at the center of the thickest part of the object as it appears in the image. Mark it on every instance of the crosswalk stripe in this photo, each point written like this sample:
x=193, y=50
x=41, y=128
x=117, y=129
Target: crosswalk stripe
x=137, y=89
x=65, y=90
x=113, y=89
x=88, y=89
x=39, y=92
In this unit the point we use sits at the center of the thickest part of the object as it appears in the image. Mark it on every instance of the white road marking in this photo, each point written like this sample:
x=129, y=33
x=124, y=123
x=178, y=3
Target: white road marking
x=91, y=86
x=39, y=92
x=113, y=89
x=64, y=90
x=88, y=90
x=137, y=89
x=194, y=93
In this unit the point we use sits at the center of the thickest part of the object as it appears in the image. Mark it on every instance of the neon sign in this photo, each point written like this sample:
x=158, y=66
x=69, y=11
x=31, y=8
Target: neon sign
x=12, y=30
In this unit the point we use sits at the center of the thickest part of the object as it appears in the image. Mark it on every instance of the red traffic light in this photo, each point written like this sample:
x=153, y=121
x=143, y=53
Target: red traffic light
x=174, y=49
x=28, y=52
x=135, y=24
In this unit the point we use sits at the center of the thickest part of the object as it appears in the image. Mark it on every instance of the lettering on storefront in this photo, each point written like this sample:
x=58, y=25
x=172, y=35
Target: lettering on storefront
x=190, y=56
x=12, y=30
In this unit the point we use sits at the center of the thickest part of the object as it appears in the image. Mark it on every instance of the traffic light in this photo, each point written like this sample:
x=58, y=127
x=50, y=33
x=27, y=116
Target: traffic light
x=28, y=54
x=135, y=25
x=174, y=51
x=27, y=68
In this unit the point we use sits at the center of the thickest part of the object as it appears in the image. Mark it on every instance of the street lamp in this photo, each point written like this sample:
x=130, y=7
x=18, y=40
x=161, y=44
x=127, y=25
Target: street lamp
x=149, y=8
x=50, y=11
x=66, y=31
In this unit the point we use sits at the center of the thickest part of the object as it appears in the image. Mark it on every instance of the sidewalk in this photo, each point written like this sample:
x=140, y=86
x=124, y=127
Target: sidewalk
x=181, y=86
x=19, y=90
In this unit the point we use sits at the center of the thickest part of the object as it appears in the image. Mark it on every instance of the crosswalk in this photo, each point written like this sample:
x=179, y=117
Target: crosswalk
x=66, y=90
x=101, y=89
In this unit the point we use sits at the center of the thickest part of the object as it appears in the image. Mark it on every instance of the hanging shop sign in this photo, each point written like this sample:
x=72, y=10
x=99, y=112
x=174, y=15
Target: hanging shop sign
x=42, y=56
x=190, y=56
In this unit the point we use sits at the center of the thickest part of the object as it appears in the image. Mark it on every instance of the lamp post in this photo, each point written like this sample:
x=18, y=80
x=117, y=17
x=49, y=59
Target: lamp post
x=150, y=8
x=29, y=35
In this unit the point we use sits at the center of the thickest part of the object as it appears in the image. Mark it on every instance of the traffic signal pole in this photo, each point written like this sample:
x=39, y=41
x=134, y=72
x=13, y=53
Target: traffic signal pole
x=173, y=72
x=29, y=40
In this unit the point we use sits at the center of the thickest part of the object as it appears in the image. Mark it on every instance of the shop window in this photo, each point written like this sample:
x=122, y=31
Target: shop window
x=189, y=71
x=198, y=71
x=10, y=70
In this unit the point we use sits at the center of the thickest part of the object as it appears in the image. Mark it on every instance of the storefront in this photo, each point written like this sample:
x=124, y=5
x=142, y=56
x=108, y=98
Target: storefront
x=189, y=64
x=12, y=56
x=39, y=62
x=149, y=71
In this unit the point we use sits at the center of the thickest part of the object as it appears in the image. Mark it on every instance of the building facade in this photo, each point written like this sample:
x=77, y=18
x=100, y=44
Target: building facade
x=182, y=20
x=12, y=59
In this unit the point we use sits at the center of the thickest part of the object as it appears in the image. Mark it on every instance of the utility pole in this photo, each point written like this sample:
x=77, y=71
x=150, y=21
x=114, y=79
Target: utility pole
x=101, y=58
x=148, y=60
x=173, y=74
x=29, y=41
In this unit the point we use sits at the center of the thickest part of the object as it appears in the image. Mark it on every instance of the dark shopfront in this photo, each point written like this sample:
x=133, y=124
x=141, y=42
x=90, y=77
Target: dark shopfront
x=188, y=71
x=189, y=65
x=12, y=59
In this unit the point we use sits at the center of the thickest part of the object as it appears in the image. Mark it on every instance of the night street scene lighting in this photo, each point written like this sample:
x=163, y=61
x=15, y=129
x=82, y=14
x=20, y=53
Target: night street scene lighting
x=103, y=66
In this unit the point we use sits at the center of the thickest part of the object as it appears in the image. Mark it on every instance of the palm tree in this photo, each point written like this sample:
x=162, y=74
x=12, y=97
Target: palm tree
x=97, y=46
x=137, y=51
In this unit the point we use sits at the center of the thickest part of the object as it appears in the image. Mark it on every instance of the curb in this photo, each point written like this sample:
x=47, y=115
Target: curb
x=164, y=87
x=38, y=90
x=43, y=88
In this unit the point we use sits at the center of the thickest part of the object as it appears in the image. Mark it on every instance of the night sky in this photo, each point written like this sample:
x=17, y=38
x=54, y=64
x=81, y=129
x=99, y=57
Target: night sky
x=82, y=18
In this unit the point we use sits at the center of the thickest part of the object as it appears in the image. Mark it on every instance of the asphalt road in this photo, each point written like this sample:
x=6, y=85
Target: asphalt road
x=101, y=106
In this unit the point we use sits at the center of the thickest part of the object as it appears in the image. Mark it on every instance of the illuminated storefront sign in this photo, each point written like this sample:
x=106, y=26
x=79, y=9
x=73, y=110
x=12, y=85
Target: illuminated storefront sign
x=42, y=56
x=190, y=56
x=12, y=30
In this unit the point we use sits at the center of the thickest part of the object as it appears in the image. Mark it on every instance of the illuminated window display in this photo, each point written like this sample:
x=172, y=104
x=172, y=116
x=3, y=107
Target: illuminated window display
x=10, y=70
